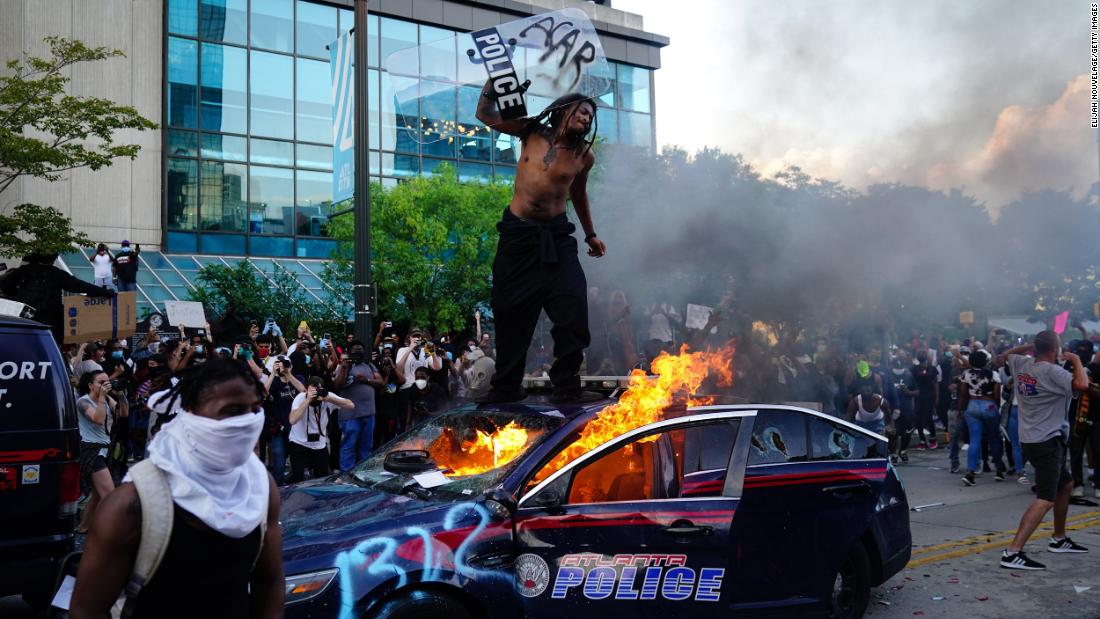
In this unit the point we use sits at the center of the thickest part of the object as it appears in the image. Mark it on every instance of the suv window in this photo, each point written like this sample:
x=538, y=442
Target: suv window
x=685, y=462
x=832, y=442
x=778, y=437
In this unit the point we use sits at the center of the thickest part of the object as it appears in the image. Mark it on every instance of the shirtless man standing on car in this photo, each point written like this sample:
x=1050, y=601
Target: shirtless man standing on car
x=536, y=266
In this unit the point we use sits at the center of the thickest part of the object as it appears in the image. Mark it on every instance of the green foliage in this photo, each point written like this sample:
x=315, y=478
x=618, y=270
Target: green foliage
x=433, y=240
x=53, y=233
x=252, y=295
x=44, y=132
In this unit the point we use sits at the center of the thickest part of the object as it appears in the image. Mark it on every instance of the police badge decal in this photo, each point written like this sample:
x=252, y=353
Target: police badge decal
x=532, y=575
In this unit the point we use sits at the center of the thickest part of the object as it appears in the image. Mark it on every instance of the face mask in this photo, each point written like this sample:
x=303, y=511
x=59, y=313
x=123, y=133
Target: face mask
x=899, y=371
x=472, y=347
x=125, y=249
x=221, y=446
x=450, y=357
x=421, y=383
x=264, y=352
x=122, y=344
x=308, y=359
x=117, y=355
x=948, y=354
x=388, y=346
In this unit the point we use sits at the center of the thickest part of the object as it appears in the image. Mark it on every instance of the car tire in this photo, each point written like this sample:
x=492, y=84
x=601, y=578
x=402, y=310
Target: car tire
x=851, y=591
x=422, y=605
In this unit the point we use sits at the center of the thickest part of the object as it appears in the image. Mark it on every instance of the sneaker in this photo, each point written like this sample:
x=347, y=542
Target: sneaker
x=1065, y=545
x=954, y=469
x=933, y=444
x=576, y=396
x=503, y=397
x=905, y=458
x=1022, y=479
x=893, y=459
x=1019, y=561
x=968, y=479
x=1078, y=491
x=921, y=446
x=1000, y=476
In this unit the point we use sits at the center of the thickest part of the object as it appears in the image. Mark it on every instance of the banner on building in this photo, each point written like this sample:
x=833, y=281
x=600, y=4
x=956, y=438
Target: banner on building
x=529, y=63
x=342, y=52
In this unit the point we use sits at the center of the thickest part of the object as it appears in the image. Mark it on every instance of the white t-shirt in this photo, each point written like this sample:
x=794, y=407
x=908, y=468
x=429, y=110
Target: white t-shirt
x=313, y=421
x=102, y=266
x=660, y=328
x=412, y=362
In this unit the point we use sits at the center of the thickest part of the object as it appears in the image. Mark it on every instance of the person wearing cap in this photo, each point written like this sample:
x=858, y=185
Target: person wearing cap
x=126, y=266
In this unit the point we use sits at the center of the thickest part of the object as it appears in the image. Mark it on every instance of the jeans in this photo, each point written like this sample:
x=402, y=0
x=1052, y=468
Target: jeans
x=126, y=286
x=105, y=282
x=358, y=438
x=982, y=419
x=1014, y=438
x=278, y=458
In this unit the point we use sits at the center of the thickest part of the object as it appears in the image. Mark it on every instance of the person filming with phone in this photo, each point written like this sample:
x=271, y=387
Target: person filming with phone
x=309, y=415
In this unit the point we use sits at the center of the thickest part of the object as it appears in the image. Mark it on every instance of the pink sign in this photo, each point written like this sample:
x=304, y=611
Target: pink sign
x=1060, y=322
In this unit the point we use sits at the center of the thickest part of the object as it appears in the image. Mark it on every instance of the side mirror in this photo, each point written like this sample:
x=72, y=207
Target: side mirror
x=549, y=500
x=502, y=503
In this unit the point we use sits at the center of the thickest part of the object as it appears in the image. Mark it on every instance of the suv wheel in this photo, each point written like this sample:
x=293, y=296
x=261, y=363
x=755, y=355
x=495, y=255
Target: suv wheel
x=422, y=605
x=852, y=585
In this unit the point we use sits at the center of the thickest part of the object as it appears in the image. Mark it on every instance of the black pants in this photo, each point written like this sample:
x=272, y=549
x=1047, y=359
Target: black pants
x=1080, y=437
x=302, y=458
x=924, y=421
x=537, y=268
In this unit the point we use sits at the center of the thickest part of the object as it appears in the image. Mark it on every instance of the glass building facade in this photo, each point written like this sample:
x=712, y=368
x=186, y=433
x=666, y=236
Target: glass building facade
x=248, y=122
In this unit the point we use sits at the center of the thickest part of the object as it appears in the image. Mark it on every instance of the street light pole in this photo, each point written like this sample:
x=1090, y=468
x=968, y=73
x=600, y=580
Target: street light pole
x=364, y=299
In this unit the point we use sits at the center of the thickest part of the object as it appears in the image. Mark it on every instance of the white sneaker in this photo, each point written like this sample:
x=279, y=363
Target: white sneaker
x=1078, y=491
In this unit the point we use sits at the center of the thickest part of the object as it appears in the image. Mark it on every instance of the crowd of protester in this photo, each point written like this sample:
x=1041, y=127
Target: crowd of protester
x=327, y=401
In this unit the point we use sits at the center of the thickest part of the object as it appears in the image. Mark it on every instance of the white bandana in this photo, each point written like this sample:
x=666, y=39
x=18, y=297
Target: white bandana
x=212, y=470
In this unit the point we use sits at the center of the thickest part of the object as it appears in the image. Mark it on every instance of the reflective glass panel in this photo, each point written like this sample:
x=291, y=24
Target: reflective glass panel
x=183, y=75
x=315, y=248
x=396, y=132
x=437, y=120
x=396, y=35
x=316, y=28
x=222, y=190
x=636, y=129
x=347, y=22
x=314, y=109
x=224, y=20
x=183, y=17
x=224, y=100
x=271, y=245
x=438, y=59
x=182, y=189
x=183, y=143
x=399, y=165
x=314, y=202
x=372, y=94
x=272, y=95
x=633, y=88
x=271, y=196
x=271, y=152
x=228, y=147
x=222, y=244
x=505, y=173
x=506, y=147
x=311, y=156
x=273, y=24
x=608, y=98
x=429, y=166
x=474, y=138
x=606, y=125
x=474, y=172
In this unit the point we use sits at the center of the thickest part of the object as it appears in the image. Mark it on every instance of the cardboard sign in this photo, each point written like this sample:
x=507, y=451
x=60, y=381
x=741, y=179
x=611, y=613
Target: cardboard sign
x=697, y=317
x=88, y=319
x=186, y=313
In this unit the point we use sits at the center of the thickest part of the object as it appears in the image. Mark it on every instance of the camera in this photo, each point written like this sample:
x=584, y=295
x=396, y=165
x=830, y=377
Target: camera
x=322, y=393
x=313, y=437
x=355, y=357
x=117, y=385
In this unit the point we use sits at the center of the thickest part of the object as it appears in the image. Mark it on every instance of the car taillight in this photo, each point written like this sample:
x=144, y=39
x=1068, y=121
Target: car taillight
x=70, y=489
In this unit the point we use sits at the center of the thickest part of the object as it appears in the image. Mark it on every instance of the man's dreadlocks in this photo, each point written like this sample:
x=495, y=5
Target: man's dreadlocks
x=555, y=116
x=200, y=378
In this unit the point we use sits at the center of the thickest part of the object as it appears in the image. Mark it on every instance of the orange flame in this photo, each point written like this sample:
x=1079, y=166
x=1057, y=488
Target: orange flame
x=647, y=397
x=479, y=454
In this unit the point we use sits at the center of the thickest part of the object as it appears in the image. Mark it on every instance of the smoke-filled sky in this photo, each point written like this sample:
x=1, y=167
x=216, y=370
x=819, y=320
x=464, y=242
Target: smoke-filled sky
x=991, y=97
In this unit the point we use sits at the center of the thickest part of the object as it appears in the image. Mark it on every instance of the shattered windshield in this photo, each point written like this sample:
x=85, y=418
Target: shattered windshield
x=459, y=452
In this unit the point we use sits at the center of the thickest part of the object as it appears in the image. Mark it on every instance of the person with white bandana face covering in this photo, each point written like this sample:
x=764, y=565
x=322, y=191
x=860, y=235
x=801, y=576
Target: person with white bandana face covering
x=223, y=557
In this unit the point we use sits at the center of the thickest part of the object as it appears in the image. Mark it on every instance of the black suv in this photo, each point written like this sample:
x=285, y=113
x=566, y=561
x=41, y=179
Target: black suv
x=39, y=461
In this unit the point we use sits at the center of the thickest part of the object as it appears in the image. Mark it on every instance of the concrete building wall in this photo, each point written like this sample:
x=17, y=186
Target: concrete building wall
x=123, y=200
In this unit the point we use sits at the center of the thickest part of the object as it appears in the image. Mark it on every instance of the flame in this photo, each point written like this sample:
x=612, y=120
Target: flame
x=647, y=397
x=479, y=454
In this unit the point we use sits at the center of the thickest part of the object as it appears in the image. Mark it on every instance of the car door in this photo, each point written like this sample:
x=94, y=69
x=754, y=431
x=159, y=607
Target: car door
x=806, y=499
x=640, y=525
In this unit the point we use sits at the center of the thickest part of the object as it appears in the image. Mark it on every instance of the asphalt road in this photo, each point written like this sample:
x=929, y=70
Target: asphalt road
x=956, y=547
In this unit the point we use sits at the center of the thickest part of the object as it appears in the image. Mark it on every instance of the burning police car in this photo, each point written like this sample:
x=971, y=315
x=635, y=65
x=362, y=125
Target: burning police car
x=535, y=511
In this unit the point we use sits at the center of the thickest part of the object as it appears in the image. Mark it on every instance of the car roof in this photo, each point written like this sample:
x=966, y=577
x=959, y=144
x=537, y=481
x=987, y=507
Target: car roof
x=15, y=321
x=539, y=405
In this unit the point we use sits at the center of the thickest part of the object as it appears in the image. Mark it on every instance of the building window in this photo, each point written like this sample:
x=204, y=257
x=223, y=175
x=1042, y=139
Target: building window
x=634, y=88
x=183, y=83
x=273, y=24
x=316, y=28
x=272, y=103
x=224, y=20
x=224, y=90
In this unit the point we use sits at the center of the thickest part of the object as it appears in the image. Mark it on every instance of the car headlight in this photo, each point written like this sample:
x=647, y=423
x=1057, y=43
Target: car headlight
x=302, y=587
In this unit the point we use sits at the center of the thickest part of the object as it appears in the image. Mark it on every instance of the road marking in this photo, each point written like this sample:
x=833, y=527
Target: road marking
x=973, y=545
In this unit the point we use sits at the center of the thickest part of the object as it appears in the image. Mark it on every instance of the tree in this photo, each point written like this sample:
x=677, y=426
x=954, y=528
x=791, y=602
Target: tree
x=45, y=132
x=432, y=243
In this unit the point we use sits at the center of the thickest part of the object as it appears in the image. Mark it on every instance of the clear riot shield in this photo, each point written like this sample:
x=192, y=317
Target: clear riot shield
x=436, y=86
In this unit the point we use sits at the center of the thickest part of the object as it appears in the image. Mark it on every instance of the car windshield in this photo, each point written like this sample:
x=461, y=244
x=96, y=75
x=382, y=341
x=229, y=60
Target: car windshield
x=458, y=452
